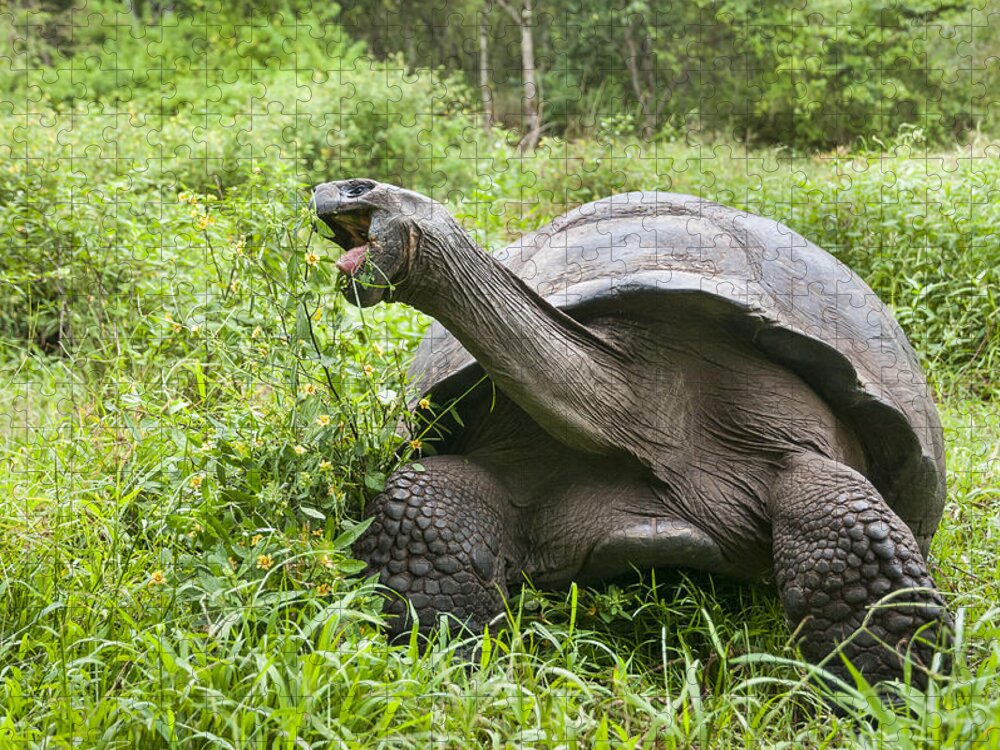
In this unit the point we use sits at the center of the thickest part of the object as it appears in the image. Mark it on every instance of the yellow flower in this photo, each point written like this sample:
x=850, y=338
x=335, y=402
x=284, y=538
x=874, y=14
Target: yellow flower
x=256, y=333
x=326, y=562
x=318, y=315
x=255, y=540
x=156, y=578
x=325, y=466
x=323, y=589
x=369, y=369
x=317, y=532
x=323, y=420
x=264, y=562
x=205, y=221
x=416, y=444
x=234, y=286
x=196, y=481
x=424, y=403
x=308, y=389
x=300, y=450
x=312, y=259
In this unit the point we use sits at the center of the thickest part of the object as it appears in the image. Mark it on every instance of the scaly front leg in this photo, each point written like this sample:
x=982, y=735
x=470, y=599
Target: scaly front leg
x=440, y=541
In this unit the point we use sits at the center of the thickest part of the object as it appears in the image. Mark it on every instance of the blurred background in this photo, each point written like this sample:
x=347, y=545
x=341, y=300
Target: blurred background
x=817, y=75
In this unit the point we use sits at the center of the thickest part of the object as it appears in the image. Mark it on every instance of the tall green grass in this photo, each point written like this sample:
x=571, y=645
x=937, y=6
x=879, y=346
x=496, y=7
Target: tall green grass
x=142, y=608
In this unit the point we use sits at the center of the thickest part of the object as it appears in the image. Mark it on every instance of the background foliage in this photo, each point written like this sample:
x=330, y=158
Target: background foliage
x=192, y=417
x=823, y=73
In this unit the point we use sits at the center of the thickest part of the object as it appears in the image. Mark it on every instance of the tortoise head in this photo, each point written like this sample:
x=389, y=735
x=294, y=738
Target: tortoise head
x=382, y=228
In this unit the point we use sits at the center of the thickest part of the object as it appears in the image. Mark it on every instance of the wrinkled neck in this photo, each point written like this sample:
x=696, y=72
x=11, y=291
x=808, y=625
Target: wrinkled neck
x=447, y=268
x=484, y=304
x=549, y=364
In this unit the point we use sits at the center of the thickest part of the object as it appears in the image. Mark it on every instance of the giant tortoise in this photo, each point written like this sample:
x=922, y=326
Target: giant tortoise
x=653, y=380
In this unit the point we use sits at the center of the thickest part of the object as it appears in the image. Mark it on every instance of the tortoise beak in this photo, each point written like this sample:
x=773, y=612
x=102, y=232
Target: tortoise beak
x=337, y=207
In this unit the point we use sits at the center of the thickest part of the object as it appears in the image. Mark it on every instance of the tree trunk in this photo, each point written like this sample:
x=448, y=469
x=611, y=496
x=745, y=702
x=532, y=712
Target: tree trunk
x=484, y=69
x=531, y=105
x=641, y=63
x=531, y=119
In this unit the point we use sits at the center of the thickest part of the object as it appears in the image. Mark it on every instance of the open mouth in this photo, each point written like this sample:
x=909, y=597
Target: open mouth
x=350, y=230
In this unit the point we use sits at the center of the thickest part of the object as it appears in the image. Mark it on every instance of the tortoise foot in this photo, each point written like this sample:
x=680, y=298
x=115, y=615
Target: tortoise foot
x=851, y=575
x=437, y=543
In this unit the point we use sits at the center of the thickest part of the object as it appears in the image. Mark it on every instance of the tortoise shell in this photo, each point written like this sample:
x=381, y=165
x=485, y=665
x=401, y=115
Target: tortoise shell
x=644, y=252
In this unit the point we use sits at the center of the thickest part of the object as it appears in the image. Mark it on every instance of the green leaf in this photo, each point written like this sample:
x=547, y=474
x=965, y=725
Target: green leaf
x=375, y=480
x=350, y=534
x=292, y=269
x=486, y=650
x=237, y=496
x=301, y=323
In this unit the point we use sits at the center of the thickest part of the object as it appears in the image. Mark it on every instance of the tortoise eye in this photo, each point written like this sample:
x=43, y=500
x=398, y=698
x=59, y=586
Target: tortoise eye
x=358, y=188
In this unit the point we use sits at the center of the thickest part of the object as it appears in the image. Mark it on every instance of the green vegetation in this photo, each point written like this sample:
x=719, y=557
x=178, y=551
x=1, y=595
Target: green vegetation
x=192, y=418
x=817, y=74
x=814, y=74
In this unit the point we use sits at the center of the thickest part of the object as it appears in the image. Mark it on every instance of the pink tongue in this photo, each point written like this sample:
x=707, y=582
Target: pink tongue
x=352, y=260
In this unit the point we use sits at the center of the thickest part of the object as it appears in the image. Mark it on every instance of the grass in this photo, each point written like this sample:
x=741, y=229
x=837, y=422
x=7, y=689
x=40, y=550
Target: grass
x=148, y=603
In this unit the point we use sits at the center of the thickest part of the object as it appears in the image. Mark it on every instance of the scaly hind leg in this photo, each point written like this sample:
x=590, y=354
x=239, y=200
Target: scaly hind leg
x=838, y=551
x=440, y=540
